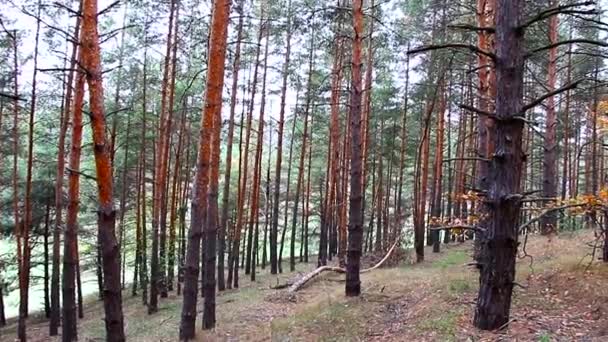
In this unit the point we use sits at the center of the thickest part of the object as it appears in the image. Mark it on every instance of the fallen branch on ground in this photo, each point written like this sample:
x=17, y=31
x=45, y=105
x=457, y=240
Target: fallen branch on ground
x=300, y=283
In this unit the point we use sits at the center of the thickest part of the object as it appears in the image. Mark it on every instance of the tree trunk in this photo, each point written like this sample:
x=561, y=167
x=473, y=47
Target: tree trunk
x=207, y=171
x=65, y=119
x=254, y=216
x=91, y=60
x=159, y=226
x=281, y=123
x=499, y=243
x=24, y=270
x=355, y=224
x=548, y=223
x=245, y=161
x=70, y=259
x=294, y=218
x=438, y=173
x=236, y=67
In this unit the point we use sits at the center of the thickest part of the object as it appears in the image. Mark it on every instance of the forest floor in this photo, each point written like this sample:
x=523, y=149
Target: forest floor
x=562, y=297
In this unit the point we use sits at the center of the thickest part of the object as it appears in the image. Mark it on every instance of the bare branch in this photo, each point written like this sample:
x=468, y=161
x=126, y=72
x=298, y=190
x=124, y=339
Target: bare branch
x=539, y=100
x=470, y=27
x=547, y=212
x=459, y=226
x=109, y=8
x=566, y=42
x=12, y=97
x=60, y=5
x=469, y=47
x=562, y=9
x=80, y=173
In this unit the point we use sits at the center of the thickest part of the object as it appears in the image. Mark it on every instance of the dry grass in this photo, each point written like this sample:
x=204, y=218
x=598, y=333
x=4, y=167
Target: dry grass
x=564, y=299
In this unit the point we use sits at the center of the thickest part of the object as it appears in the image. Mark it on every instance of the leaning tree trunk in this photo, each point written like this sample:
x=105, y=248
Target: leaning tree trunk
x=498, y=247
x=91, y=60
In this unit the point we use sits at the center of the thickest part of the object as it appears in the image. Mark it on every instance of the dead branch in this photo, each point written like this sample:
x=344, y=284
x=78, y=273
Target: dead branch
x=300, y=283
x=539, y=100
x=566, y=42
x=472, y=28
x=547, y=212
x=562, y=9
x=469, y=47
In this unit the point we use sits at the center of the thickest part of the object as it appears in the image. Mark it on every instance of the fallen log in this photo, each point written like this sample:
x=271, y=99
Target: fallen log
x=300, y=283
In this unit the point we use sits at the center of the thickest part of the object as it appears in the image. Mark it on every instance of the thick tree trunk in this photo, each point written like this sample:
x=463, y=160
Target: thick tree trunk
x=91, y=60
x=499, y=243
x=355, y=224
x=207, y=171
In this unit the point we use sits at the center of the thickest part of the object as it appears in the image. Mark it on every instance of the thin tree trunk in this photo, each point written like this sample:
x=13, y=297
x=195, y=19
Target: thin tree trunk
x=281, y=123
x=438, y=173
x=159, y=227
x=236, y=67
x=24, y=271
x=245, y=161
x=47, y=275
x=548, y=223
x=287, y=194
x=70, y=259
x=257, y=169
x=65, y=119
x=294, y=218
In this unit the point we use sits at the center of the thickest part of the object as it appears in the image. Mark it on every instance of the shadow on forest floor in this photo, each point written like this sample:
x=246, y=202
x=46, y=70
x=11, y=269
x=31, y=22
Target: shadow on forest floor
x=561, y=297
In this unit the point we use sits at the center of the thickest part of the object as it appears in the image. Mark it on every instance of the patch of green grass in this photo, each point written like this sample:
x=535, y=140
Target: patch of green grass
x=544, y=337
x=459, y=286
x=326, y=321
x=444, y=325
x=452, y=258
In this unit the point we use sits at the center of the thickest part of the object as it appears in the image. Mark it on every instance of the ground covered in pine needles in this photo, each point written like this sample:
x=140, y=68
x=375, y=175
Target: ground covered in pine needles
x=561, y=296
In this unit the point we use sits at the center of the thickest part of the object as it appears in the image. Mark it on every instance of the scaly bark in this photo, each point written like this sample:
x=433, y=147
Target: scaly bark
x=355, y=224
x=91, y=60
x=207, y=170
x=70, y=259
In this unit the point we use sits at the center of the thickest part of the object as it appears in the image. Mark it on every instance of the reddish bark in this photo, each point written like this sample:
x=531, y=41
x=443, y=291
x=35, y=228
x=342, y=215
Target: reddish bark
x=70, y=258
x=207, y=170
x=355, y=224
x=91, y=60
